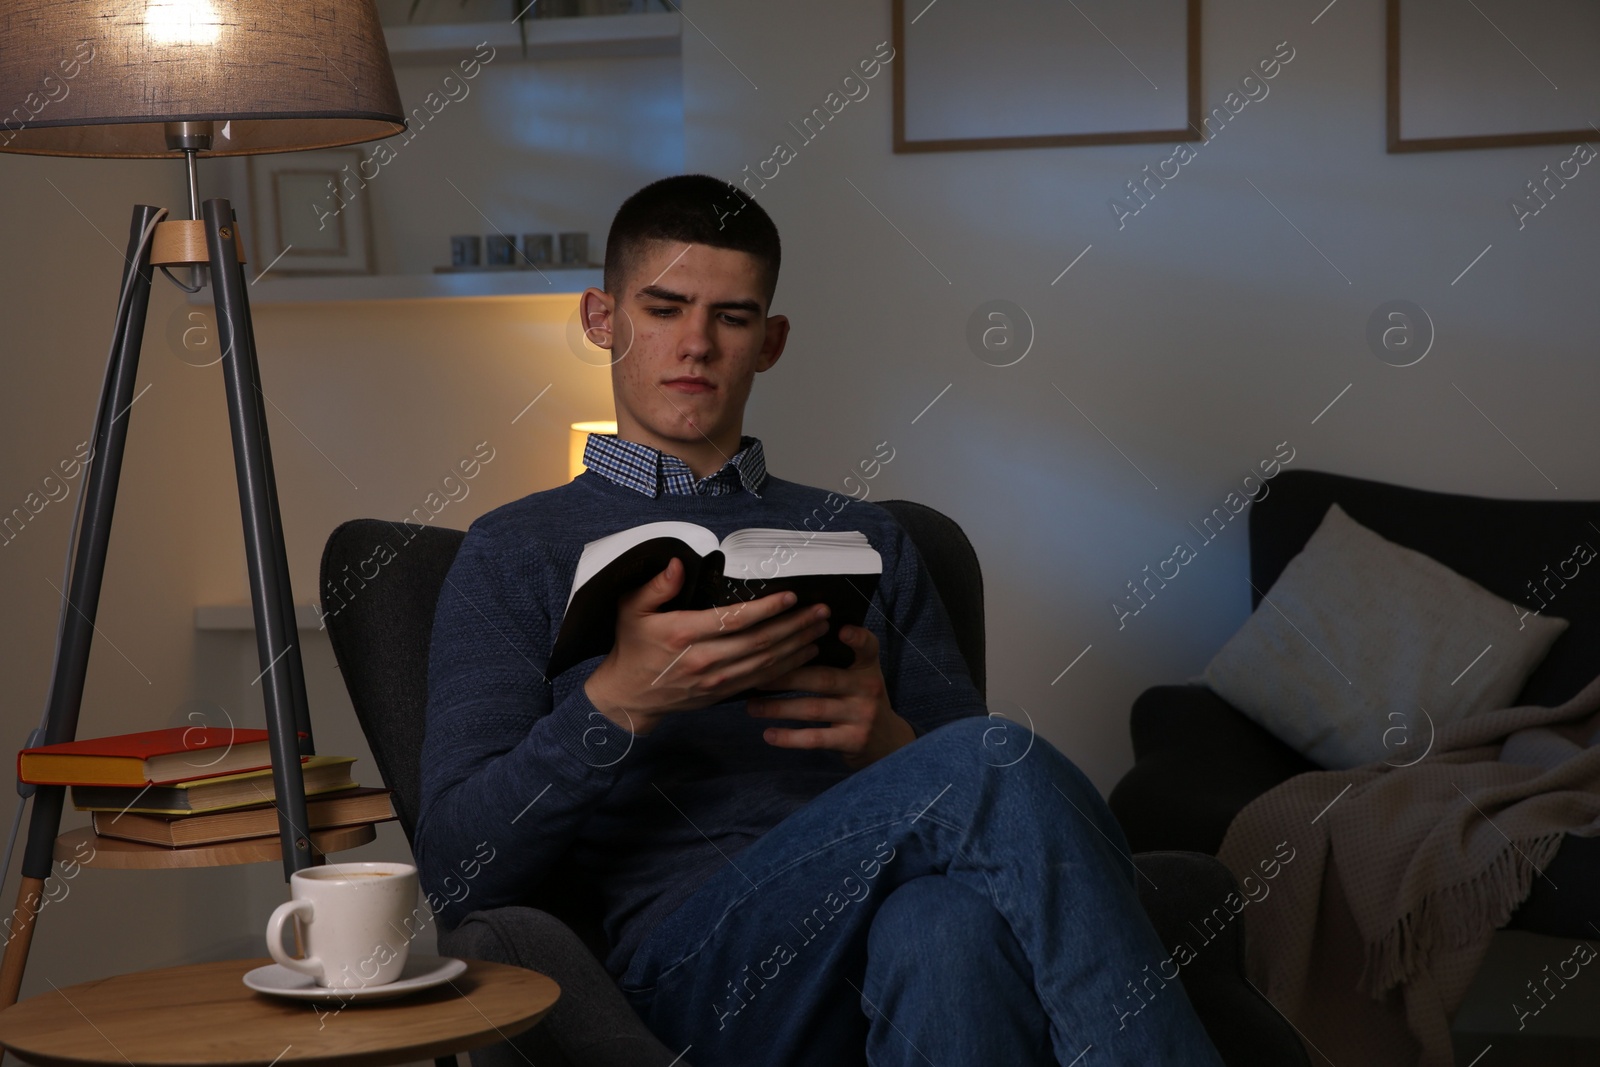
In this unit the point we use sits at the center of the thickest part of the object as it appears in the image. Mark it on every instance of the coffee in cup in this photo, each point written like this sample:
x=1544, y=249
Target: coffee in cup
x=352, y=921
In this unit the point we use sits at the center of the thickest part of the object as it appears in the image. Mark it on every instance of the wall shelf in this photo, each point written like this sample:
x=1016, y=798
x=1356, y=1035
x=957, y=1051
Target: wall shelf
x=342, y=287
x=654, y=33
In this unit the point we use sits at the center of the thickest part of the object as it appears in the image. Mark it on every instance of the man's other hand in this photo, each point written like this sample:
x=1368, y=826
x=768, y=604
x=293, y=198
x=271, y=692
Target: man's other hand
x=667, y=661
x=854, y=702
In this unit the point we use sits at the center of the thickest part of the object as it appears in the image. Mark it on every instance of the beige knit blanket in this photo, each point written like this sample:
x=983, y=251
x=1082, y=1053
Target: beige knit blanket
x=1369, y=936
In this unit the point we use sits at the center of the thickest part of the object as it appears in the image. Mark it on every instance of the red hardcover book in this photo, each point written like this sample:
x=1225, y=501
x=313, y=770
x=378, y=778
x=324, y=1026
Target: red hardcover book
x=175, y=754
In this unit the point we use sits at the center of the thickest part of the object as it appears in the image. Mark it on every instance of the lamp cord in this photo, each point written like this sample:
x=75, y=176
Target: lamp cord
x=26, y=790
x=180, y=285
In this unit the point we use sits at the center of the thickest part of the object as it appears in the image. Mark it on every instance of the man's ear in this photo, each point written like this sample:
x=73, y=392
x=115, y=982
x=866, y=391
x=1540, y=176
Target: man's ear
x=772, y=346
x=595, y=310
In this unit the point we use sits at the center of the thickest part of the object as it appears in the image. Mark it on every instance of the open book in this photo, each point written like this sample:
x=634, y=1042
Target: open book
x=838, y=568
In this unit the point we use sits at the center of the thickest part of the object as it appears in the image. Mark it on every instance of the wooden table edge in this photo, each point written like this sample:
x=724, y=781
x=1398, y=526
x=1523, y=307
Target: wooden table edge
x=425, y=1049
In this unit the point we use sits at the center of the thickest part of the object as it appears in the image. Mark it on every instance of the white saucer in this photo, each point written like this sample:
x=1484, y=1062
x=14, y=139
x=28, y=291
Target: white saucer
x=420, y=972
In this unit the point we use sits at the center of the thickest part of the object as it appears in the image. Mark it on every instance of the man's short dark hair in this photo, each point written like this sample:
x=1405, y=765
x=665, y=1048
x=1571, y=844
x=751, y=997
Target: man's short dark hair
x=690, y=209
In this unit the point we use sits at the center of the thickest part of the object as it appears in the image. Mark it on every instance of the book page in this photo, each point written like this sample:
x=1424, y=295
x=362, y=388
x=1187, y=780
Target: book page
x=754, y=553
x=599, y=552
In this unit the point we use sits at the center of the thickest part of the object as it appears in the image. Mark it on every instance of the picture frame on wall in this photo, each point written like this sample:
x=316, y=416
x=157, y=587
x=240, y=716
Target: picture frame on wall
x=312, y=212
x=1492, y=74
x=1021, y=74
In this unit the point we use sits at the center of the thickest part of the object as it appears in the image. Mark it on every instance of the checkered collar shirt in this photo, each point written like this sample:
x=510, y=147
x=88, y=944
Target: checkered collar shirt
x=653, y=472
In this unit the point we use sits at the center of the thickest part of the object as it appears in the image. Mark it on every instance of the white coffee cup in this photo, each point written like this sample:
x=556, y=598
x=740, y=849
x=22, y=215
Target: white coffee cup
x=352, y=919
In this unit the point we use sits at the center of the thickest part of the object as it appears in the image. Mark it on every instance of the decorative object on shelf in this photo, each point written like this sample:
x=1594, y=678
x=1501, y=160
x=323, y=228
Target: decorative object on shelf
x=312, y=213
x=466, y=250
x=502, y=250
x=178, y=82
x=1456, y=82
x=575, y=250
x=1020, y=74
x=538, y=249
x=577, y=438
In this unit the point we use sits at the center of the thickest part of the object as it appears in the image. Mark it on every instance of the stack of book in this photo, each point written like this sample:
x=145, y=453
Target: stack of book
x=195, y=785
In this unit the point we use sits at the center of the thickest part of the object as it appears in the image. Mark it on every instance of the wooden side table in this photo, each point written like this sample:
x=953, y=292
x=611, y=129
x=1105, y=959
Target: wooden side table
x=203, y=1013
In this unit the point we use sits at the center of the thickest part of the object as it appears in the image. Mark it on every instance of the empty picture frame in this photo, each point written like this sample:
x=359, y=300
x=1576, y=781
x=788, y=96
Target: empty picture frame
x=312, y=212
x=1491, y=73
x=1025, y=74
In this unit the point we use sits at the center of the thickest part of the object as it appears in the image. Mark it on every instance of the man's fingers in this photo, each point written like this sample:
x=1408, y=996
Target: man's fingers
x=826, y=737
x=863, y=641
x=658, y=590
x=830, y=680
x=809, y=679
x=808, y=709
x=729, y=618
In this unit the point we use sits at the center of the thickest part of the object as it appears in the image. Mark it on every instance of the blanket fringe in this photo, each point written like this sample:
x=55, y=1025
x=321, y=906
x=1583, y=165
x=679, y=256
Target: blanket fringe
x=1458, y=915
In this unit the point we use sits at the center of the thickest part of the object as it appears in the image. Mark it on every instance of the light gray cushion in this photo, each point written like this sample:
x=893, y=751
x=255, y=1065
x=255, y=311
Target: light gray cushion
x=1362, y=648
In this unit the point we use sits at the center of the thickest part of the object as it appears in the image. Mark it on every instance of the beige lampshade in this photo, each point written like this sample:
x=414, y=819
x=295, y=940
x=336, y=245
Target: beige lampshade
x=578, y=439
x=102, y=77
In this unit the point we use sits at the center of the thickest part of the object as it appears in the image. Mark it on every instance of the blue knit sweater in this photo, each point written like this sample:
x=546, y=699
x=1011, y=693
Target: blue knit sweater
x=522, y=775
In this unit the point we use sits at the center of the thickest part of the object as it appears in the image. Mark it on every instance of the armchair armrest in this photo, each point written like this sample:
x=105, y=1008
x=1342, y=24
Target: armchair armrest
x=1198, y=761
x=1196, y=719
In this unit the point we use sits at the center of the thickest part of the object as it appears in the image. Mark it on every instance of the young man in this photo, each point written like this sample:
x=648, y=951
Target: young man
x=856, y=872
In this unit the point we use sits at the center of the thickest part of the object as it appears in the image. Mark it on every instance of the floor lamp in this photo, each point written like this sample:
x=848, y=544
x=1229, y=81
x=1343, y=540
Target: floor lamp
x=185, y=79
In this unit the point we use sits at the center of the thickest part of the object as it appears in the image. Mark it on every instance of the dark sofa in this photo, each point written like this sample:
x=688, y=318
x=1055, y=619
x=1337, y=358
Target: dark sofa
x=1199, y=761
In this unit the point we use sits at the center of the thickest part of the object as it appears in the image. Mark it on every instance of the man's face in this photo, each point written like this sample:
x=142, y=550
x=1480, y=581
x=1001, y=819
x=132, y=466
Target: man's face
x=687, y=336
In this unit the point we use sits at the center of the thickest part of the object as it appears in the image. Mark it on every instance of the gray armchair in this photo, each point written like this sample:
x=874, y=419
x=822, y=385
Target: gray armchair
x=380, y=637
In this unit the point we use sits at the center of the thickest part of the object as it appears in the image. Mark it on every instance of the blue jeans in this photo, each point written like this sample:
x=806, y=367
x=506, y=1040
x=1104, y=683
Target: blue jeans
x=951, y=903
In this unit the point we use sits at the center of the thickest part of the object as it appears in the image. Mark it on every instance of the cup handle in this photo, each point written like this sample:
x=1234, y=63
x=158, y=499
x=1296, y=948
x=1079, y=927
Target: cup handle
x=311, y=965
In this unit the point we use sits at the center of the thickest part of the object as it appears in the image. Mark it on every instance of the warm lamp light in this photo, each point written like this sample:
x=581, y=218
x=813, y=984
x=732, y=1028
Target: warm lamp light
x=579, y=438
x=278, y=77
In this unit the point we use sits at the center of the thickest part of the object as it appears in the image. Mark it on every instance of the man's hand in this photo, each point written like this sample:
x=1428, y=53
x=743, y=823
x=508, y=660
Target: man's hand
x=854, y=700
x=666, y=661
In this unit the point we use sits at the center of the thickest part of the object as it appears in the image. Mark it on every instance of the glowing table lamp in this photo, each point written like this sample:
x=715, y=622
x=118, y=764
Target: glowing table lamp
x=578, y=438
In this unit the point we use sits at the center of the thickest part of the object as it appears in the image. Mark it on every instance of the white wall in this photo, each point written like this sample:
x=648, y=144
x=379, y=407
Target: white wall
x=1197, y=338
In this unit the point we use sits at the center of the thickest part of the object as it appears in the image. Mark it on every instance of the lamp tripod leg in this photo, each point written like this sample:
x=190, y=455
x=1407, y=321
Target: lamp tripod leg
x=82, y=595
x=19, y=937
x=297, y=678
x=277, y=640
